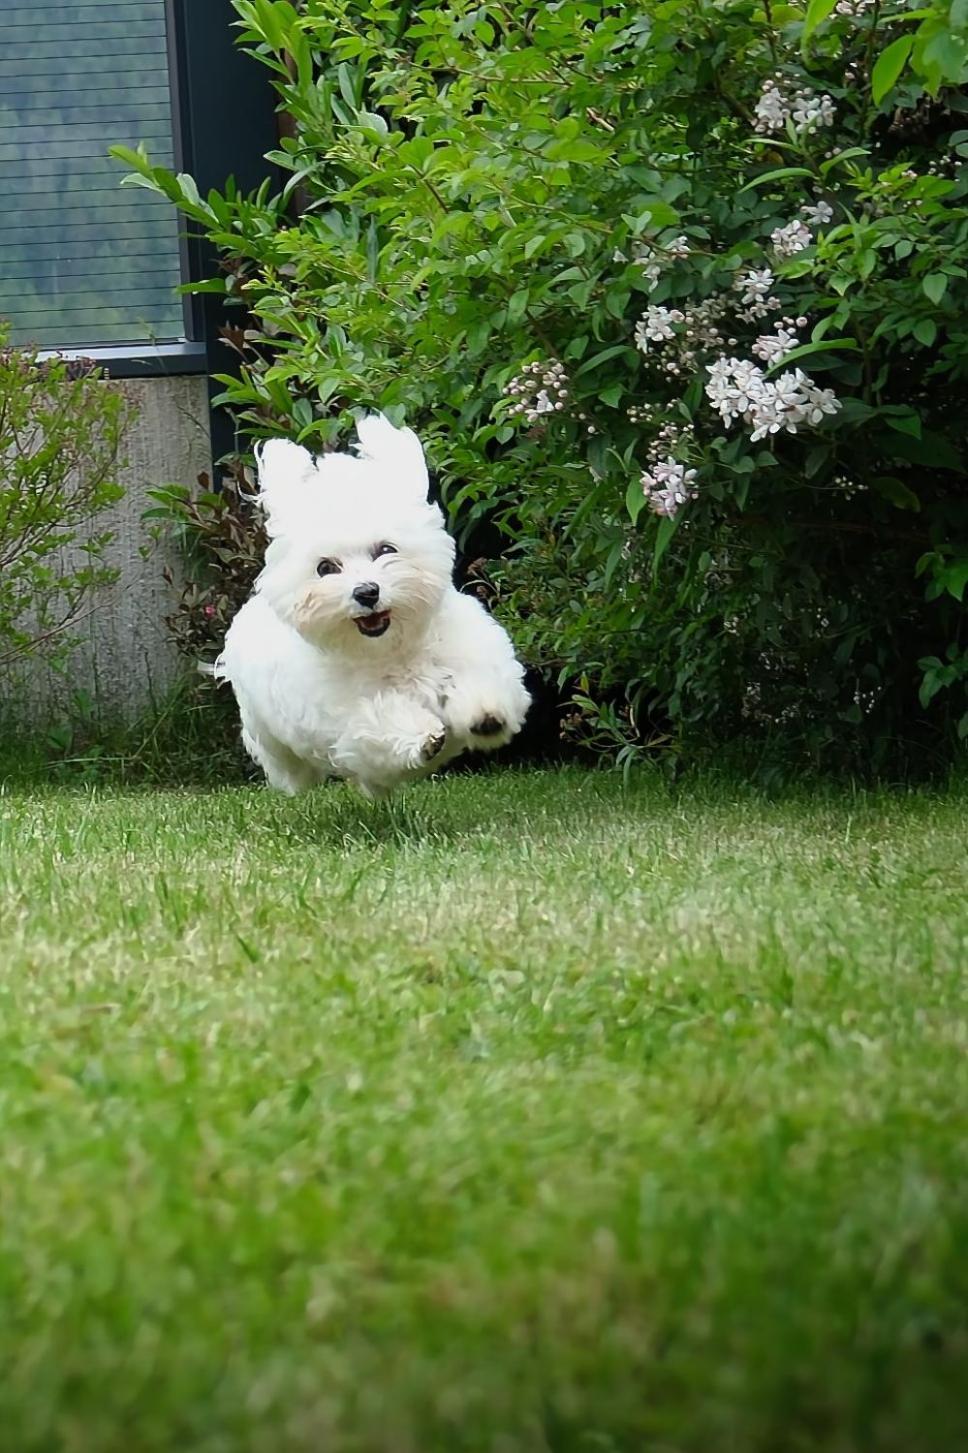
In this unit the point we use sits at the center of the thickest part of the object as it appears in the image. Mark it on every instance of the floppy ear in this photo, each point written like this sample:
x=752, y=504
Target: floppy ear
x=285, y=473
x=398, y=451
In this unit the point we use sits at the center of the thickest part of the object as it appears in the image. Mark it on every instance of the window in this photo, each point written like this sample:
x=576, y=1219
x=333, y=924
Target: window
x=83, y=261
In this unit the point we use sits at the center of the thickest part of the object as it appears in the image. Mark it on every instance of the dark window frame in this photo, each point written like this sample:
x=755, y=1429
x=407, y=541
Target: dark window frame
x=223, y=121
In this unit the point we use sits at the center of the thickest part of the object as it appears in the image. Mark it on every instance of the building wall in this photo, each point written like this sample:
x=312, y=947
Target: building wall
x=124, y=660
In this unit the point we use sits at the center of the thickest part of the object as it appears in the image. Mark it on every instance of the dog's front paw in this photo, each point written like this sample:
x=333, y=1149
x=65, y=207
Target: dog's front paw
x=426, y=746
x=480, y=720
x=433, y=746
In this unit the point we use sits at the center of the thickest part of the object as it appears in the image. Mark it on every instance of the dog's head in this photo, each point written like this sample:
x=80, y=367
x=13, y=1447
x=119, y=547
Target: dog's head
x=356, y=551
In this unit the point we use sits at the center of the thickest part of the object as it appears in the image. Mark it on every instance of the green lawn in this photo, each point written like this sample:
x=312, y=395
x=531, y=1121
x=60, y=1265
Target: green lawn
x=520, y=1113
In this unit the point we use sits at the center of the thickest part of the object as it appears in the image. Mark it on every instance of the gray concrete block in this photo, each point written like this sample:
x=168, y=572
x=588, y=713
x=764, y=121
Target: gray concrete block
x=123, y=659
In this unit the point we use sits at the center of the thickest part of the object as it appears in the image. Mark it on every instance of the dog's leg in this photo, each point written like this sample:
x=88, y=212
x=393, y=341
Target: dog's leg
x=284, y=770
x=484, y=699
x=391, y=737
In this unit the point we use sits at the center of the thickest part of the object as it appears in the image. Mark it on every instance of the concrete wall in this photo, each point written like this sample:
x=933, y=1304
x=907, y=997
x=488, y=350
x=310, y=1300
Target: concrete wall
x=124, y=660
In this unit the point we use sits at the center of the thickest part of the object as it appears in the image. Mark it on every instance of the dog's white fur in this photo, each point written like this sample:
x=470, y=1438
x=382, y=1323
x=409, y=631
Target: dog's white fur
x=317, y=697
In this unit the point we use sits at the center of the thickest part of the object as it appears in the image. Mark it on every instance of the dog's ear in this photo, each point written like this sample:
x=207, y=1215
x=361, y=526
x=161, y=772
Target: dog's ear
x=285, y=474
x=398, y=451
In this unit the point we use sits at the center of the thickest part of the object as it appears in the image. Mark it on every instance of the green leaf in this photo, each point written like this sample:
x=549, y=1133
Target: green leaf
x=616, y=301
x=372, y=121
x=189, y=188
x=933, y=450
x=956, y=578
x=935, y=285
x=663, y=539
x=925, y=331
x=131, y=157
x=930, y=687
x=897, y=492
x=939, y=54
x=517, y=305
x=653, y=214
x=576, y=151
x=815, y=460
x=597, y=359
x=137, y=179
x=905, y=421
x=211, y=285
x=890, y=64
x=842, y=156
x=775, y=176
x=826, y=345
x=817, y=12
x=635, y=499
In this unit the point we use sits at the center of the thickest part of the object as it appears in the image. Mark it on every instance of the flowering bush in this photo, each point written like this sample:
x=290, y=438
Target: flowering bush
x=62, y=427
x=679, y=300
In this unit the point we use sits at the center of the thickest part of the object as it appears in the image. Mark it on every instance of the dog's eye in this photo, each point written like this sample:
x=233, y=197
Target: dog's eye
x=327, y=567
x=385, y=549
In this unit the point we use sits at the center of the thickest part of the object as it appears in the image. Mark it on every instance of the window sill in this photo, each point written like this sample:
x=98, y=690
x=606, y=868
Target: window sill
x=140, y=360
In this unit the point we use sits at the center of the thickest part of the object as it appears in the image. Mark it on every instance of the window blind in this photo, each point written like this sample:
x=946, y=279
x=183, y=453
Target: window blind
x=83, y=261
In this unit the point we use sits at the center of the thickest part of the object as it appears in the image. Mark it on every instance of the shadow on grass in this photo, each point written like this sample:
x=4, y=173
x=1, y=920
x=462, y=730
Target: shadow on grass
x=336, y=815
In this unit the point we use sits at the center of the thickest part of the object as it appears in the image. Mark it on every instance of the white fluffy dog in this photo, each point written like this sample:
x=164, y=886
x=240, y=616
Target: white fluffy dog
x=356, y=657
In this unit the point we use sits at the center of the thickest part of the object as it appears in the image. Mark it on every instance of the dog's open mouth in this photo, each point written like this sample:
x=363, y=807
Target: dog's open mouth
x=374, y=624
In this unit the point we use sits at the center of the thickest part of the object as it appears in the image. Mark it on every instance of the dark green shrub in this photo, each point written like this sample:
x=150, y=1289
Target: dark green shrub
x=222, y=542
x=677, y=295
x=221, y=539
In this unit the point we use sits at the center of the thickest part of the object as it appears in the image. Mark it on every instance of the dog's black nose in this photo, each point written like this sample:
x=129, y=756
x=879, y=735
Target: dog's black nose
x=367, y=594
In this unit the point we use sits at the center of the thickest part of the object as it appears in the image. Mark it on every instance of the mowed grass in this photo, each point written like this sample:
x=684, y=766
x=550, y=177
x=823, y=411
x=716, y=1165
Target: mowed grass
x=524, y=1112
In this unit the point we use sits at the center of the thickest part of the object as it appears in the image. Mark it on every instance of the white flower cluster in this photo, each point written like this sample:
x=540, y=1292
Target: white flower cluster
x=811, y=111
x=817, y=214
x=752, y=697
x=644, y=258
x=756, y=297
x=667, y=483
x=701, y=332
x=867, y=698
x=640, y=413
x=791, y=239
x=694, y=328
x=854, y=7
x=670, y=439
x=772, y=108
x=667, y=486
x=656, y=325
x=849, y=487
x=540, y=388
x=771, y=347
x=741, y=390
x=807, y=111
x=754, y=285
x=653, y=258
x=677, y=248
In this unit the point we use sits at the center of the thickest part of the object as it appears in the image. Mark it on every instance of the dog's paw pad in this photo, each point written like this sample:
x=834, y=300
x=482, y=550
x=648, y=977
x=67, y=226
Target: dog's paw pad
x=433, y=746
x=488, y=726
